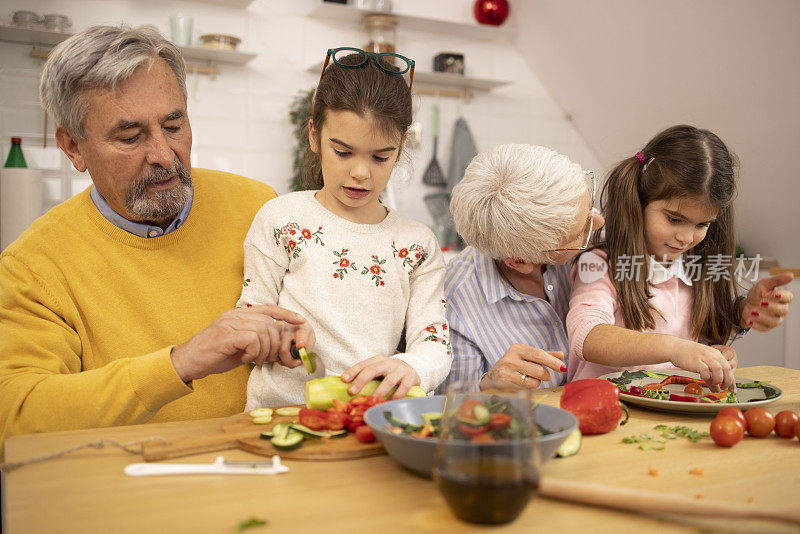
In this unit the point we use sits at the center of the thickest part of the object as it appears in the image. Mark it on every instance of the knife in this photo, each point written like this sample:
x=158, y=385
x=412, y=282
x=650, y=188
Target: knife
x=308, y=358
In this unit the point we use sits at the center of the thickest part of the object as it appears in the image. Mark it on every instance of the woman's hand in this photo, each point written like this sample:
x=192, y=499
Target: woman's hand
x=395, y=372
x=709, y=362
x=521, y=361
x=767, y=303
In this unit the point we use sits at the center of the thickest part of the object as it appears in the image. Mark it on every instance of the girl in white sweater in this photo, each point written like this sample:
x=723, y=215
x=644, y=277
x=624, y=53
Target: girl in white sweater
x=360, y=273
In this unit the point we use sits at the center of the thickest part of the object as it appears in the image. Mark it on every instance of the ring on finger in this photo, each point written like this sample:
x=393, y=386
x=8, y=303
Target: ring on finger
x=523, y=378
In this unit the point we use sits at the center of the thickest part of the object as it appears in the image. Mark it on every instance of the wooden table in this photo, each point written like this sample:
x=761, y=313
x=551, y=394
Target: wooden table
x=87, y=492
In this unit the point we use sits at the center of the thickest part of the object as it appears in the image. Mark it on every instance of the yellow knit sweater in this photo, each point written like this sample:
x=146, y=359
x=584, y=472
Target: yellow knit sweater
x=89, y=312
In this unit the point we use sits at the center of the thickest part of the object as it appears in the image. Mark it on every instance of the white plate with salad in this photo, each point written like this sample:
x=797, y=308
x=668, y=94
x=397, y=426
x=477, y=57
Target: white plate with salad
x=667, y=392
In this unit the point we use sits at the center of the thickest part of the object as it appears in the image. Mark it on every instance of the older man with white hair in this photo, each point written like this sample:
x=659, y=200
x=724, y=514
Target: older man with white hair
x=116, y=305
x=525, y=211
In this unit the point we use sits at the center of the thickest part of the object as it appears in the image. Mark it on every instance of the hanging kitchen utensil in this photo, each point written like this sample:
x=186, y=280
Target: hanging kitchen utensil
x=462, y=150
x=433, y=174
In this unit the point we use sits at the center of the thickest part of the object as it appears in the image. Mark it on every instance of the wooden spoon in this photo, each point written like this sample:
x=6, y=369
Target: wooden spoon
x=638, y=500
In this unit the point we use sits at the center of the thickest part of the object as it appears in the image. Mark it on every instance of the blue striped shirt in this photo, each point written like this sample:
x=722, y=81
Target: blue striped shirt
x=487, y=316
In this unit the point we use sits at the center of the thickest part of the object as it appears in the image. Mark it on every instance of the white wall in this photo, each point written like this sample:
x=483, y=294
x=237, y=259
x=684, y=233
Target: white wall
x=626, y=69
x=240, y=119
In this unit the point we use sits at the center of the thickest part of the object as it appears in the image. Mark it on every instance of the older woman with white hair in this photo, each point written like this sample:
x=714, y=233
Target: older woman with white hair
x=525, y=211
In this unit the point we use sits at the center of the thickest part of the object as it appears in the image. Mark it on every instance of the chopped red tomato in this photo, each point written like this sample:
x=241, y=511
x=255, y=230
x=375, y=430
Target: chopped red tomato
x=313, y=419
x=654, y=386
x=426, y=431
x=354, y=425
x=500, y=421
x=693, y=388
x=472, y=431
x=717, y=396
x=482, y=438
x=467, y=409
x=364, y=434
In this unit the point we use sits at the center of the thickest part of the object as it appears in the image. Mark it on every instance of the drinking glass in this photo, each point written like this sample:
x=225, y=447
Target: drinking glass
x=487, y=460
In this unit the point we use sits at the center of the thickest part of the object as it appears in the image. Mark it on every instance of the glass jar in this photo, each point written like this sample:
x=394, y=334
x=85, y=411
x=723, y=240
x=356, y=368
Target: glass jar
x=381, y=33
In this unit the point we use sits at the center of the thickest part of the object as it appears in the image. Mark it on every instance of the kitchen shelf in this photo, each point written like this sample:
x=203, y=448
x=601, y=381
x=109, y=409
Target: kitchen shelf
x=18, y=34
x=214, y=55
x=331, y=11
x=233, y=3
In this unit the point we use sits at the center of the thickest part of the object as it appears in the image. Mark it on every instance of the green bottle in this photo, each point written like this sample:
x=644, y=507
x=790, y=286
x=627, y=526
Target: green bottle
x=15, y=157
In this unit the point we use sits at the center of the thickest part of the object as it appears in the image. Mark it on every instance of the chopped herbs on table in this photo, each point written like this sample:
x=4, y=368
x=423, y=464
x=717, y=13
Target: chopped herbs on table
x=250, y=523
x=685, y=431
x=646, y=440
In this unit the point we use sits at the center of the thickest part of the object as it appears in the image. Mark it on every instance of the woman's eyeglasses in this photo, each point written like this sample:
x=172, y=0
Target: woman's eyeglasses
x=384, y=61
x=587, y=229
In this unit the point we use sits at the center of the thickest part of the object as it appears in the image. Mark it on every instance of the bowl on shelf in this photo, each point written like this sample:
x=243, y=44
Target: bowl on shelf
x=220, y=41
x=417, y=454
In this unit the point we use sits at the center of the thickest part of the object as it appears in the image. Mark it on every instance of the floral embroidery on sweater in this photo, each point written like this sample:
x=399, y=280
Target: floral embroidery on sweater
x=439, y=337
x=343, y=263
x=289, y=231
x=413, y=256
x=376, y=270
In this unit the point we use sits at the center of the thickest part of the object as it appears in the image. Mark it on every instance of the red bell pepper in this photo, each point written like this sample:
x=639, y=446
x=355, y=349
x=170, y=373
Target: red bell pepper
x=313, y=419
x=337, y=420
x=595, y=402
x=680, y=379
x=683, y=398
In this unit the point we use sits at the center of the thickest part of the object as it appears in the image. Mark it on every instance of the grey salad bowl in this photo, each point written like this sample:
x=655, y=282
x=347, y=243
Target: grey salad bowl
x=417, y=454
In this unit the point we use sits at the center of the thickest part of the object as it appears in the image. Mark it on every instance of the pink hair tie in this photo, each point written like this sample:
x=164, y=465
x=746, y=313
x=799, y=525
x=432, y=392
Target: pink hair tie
x=641, y=158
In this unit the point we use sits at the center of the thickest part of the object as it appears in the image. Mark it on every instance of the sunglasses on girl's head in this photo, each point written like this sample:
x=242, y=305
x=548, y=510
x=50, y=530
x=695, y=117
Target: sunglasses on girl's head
x=384, y=61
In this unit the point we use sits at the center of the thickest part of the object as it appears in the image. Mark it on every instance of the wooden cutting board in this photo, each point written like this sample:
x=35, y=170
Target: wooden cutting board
x=239, y=432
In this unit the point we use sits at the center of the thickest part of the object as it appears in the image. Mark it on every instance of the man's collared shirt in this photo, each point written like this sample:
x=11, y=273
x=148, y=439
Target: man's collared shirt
x=486, y=316
x=142, y=230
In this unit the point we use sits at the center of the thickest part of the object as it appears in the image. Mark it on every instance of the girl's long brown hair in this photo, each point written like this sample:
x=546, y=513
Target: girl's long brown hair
x=683, y=162
x=366, y=91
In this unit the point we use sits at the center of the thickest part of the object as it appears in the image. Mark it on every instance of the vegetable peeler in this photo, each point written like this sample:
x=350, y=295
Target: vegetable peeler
x=219, y=467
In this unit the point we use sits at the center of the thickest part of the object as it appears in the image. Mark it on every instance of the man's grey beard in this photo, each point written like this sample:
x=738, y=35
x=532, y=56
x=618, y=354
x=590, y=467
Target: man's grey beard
x=159, y=206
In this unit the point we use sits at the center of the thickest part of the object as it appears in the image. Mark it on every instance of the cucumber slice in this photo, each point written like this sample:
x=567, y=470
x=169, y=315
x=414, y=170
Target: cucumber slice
x=284, y=438
x=262, y=420
x=482, y=414
x=288, y=411
x=267, y=434
x=431, y=417
x=309, y=360
x=571, y=445
x=317, y=433
x=261, y=412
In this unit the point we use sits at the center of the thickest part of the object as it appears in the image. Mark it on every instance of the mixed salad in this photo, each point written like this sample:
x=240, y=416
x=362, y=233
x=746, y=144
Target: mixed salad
x=473, y=420
x=694, y=389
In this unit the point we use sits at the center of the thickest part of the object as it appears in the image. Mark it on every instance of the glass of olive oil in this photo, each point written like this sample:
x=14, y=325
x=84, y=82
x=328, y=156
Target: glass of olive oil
x=487, y=459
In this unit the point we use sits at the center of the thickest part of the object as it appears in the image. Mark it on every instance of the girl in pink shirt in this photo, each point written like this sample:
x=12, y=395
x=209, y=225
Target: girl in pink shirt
x=663, y=277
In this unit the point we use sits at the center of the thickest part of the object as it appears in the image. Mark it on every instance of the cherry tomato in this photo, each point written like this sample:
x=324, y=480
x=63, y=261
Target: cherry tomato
x=482, y=438
x=736, y=413
x=785, y=422
x=693, y=387
x=337, y=420
x=759, y=422
x=726, y=431
x=500, y=421
x=364, y=434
